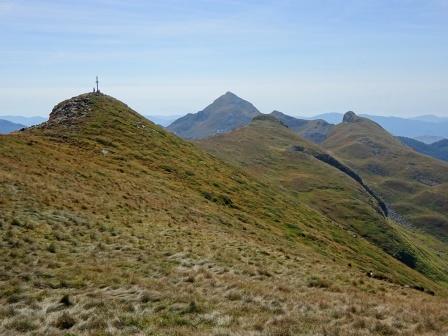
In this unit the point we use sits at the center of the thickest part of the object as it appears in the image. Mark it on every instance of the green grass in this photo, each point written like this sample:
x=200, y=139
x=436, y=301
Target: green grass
x=136, y=227
x=266, y=149
x=416, y=184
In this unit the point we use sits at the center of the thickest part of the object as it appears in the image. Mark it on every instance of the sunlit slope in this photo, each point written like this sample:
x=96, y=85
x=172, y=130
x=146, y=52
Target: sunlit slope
x=274, y=153
x=110, y=225
x=415, y=185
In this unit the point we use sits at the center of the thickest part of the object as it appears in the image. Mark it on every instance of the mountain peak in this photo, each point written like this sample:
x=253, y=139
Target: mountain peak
x=226, y=113
x=350, y=116
x=229, y=97
x=230, y=94
x=71, y=110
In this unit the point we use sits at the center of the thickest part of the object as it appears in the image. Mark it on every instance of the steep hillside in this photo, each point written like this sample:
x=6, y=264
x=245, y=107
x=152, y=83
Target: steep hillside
x=223, y=115
x=8, y=127
x=269, y=150
x=313, y=130
x=416, y=186
x=112, y=226
x=438, y=149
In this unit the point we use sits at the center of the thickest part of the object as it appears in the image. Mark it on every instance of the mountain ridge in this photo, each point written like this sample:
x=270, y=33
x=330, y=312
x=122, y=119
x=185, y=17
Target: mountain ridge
x=394, y=170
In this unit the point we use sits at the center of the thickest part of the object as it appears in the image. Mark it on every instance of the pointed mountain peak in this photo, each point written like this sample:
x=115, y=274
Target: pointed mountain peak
x=228, y=98
x=230, y=94
x=351, y=116
x=226, y=113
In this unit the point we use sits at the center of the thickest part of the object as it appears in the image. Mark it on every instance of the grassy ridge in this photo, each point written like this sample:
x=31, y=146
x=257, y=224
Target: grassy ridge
x=415, y=185
x=110, y=225
x=269, y=150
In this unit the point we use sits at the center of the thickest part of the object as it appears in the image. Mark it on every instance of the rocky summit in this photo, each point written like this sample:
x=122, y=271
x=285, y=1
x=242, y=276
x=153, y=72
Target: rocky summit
x=350, y=117
x=71, y=110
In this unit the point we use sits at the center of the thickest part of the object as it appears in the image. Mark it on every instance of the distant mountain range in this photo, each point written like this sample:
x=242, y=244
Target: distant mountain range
x=8, y=127
x=229, y=112
x=27, y=121
x=429, y=139
x=162, y=120
x=438, y=150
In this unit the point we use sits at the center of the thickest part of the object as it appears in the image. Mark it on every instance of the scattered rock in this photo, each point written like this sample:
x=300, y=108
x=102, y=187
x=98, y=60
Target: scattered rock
x=70, y=111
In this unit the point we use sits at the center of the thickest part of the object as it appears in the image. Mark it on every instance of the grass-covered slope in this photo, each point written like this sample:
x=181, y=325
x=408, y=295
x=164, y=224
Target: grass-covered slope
x=272, y=152
x=415, y=185
x=110, y=225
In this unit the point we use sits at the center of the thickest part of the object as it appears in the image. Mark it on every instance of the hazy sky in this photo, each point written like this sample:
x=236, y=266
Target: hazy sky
x=387, y=57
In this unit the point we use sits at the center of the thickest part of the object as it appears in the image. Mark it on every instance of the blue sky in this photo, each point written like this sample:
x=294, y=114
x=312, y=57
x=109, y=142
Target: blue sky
x=170, y=57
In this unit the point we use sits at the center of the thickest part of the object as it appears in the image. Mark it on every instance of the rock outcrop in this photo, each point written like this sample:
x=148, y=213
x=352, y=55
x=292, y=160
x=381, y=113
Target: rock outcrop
x=350, y=117
x=70, y=111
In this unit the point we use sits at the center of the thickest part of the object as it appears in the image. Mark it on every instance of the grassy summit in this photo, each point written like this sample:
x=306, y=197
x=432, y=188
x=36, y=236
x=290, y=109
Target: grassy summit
x=110, y=225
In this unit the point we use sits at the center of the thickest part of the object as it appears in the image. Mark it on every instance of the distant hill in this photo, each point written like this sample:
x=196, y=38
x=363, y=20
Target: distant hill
x=411, y=128
x=27, y=121
x=414, y=185
x=162, y=120
x=438, y=150
x=431, y=118
x=313, y=130
x=8, y=127
x=223, y=115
